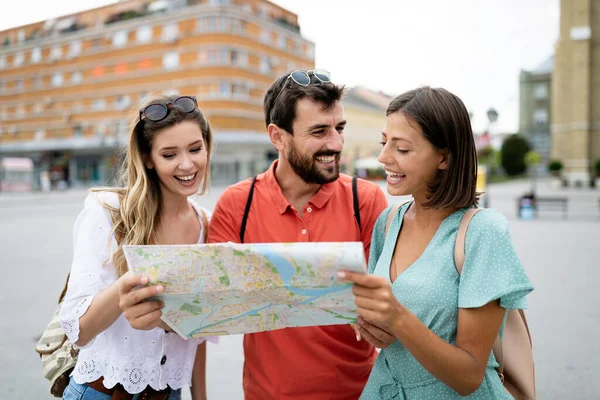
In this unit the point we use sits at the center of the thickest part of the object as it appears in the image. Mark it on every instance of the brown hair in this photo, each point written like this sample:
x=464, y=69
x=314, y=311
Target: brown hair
x=287, y=93
x=445, y=123
x=138, y=215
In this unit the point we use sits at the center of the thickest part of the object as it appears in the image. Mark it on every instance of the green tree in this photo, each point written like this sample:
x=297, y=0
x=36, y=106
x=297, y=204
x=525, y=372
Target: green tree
x=514, y=149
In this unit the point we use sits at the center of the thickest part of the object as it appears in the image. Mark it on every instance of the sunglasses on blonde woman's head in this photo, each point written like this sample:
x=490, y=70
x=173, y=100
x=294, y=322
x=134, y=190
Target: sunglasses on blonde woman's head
x=159, y=111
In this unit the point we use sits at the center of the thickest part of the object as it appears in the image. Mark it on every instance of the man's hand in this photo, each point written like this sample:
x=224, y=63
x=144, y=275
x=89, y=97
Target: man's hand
x=141, y=313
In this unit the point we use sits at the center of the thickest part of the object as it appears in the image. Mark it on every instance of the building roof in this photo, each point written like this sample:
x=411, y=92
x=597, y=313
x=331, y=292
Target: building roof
x=545, y=67
x=365, y=98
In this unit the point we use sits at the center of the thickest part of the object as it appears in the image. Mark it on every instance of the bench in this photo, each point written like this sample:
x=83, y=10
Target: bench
x=547, y=204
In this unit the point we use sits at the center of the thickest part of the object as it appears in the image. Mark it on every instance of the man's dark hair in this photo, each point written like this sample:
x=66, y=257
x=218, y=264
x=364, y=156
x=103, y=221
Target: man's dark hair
x=287, y=93
x=445, y=123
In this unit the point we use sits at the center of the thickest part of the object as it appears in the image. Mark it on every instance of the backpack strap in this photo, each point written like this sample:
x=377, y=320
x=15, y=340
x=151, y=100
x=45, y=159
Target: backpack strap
x=392, y=213
x=247, y=210
x=459, y=246
x=459, y=260
x=355, y=201
x=390, y=217
x=204, y=225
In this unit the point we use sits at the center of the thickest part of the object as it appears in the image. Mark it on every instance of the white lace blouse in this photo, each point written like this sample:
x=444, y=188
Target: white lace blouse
x=120, y=354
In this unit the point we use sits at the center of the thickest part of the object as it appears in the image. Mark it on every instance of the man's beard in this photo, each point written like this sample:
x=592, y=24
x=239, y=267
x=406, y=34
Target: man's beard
x=306, y=167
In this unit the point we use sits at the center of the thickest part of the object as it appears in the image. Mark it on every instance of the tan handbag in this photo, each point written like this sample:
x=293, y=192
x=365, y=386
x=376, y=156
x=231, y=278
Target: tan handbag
x=57, y=354
x=514, y=353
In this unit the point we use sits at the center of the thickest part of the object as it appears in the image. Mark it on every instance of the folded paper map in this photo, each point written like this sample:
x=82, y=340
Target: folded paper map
x=229, y=288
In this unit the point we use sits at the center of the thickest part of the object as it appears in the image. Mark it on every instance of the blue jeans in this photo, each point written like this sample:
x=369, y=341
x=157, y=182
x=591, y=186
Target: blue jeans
x=75, y=391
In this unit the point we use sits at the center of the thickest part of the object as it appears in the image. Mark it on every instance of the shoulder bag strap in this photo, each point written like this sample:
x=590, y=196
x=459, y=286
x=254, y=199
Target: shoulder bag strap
x=247, y=210
x=355, y=201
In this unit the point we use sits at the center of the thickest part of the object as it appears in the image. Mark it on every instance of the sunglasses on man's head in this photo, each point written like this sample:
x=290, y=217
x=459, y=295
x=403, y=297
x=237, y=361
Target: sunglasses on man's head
x=159, y=111
x=302, y=78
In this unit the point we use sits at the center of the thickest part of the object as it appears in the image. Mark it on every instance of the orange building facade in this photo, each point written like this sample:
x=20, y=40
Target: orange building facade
x=68, y=86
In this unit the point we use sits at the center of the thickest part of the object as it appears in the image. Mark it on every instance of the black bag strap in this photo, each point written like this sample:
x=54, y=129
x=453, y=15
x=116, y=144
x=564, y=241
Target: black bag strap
x=251, y=194
x=247, y=210
x=355, y=200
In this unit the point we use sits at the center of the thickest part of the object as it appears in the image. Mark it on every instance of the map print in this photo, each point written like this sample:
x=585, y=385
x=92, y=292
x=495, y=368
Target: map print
x=229, y=288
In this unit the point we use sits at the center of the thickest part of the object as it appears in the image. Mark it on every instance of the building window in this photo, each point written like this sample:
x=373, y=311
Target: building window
x=55, y=53
x=541, y=91
x=219, y=2
x=40, y=134
x=224, y=24
x=265, y=36
x=76, y=77
x=170, y=33
x=38, y=108
x=224, y=89
x=171, y=60
x=75, y=48
x=217, y=24
x=39, y=82
x=99, y=105
x=203, y=58
x=540, y=116
x=2, y=62
x=310, y=50
x=281, y=41
x=219, y=57
x=21, y=36
x=57, y=79
x=239, y=58
x=238, y=26
x=3, y=114
x=212, y=24
x=265, y=65
x=36, y=55
x=19, y=59
x=20, y=112
x=20, y=85
x=144, y=34
x=240, y=90
x=119, y=39
x=122, y=102
x=77, y=131
x=2, y=87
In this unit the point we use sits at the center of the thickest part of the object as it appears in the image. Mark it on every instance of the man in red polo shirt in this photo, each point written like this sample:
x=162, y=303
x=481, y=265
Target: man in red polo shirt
x=302, y=198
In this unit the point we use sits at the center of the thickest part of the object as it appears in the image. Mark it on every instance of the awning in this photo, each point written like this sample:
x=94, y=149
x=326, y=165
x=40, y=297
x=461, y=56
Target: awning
x=368, y=163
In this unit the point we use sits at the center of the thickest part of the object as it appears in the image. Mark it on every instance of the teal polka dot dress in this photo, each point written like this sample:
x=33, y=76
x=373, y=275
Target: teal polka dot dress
x=432, y=289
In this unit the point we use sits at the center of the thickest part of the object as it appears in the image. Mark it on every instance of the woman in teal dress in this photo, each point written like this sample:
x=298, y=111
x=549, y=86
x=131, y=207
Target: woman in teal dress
x=436, y=328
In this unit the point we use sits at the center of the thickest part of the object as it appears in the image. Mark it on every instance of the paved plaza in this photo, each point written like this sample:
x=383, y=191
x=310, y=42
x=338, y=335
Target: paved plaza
x=560, y=256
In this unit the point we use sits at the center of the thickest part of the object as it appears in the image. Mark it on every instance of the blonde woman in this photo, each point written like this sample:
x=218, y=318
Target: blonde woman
x=167, y=160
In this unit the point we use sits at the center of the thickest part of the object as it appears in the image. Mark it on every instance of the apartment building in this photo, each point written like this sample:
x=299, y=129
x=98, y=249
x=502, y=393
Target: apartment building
x=69, y=85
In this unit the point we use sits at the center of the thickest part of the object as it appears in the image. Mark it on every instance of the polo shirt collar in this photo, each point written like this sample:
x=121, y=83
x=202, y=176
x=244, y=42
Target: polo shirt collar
x=318, y=200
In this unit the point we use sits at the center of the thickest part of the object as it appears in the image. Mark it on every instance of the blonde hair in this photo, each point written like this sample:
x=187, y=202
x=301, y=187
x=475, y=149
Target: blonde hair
x=138, y=215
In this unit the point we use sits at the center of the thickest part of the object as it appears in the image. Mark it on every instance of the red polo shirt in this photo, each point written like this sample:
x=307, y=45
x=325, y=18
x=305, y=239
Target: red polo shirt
x=323, y=362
